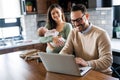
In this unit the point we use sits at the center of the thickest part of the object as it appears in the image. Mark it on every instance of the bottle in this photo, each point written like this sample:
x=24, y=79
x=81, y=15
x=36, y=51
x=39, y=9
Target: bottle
x=34, y=10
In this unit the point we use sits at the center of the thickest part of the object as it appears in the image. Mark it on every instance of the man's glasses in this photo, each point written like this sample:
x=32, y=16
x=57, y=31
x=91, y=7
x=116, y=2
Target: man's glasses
x=78, y=20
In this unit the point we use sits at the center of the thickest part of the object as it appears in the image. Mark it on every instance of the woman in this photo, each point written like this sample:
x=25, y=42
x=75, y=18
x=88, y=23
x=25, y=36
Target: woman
x=56, y=20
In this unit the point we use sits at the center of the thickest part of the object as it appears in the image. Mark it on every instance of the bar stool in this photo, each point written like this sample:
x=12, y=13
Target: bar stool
x=116, y=71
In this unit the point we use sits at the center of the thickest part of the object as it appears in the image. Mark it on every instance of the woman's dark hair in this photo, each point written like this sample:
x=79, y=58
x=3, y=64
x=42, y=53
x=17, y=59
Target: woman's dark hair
x=51, y=22
x=78, y=7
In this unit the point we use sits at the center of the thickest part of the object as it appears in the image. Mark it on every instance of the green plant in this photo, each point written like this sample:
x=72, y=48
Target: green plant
x=28, y=3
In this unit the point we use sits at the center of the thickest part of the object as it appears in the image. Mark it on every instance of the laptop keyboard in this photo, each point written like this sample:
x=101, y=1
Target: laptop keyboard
x=81, y=70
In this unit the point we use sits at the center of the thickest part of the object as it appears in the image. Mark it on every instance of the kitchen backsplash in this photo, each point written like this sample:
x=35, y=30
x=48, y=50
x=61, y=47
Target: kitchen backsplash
x=101, y=17
x=29, y=27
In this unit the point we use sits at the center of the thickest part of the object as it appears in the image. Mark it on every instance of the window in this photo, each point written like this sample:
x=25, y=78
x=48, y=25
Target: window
x=10, y=28
x=8, y=32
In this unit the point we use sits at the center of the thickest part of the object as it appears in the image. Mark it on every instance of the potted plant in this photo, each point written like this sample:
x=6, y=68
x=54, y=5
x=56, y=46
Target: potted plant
x=29, y=6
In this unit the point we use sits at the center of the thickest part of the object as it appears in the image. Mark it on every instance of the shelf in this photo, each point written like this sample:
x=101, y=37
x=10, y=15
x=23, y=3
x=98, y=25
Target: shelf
x=29, y=13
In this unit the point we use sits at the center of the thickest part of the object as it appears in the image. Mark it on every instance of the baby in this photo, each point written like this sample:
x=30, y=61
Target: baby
x=42, y=31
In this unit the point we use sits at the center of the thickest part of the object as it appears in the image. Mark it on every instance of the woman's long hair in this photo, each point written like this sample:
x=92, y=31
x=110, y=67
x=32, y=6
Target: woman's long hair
x=50, y=21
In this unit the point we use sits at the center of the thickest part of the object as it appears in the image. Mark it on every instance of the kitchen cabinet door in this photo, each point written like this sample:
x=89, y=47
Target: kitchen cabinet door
x=94, y=3
x=40, y=46
x=99, y=3
x=42, y=6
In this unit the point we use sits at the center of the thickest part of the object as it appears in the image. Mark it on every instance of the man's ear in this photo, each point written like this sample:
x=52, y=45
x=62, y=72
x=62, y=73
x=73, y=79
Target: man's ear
x=87, y=15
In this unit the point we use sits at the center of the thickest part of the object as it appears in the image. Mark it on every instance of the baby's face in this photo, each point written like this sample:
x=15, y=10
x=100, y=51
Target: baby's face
x=42, y=31
x=45, y=29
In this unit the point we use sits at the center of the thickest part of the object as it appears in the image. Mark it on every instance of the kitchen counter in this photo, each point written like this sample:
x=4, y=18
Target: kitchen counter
x=115, y=45
x=116, y=50
x=22, y=45
x=18, y=44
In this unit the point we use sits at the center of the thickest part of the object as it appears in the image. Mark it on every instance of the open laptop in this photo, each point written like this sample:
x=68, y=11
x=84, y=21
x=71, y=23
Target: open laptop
x=60, y=63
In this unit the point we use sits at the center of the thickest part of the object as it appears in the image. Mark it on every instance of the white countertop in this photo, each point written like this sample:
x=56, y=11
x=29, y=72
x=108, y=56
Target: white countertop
x=115, y=45
x=19, y=43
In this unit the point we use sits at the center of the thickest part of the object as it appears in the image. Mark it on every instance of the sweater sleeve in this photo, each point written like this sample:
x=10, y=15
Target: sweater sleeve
x=68, y=48
x=105, y=54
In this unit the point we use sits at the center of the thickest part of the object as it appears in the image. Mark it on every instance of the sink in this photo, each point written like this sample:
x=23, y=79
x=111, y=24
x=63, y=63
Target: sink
x=2, y=43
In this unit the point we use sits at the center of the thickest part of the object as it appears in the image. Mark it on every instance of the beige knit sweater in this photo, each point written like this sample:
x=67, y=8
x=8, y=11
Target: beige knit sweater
x=93, y=46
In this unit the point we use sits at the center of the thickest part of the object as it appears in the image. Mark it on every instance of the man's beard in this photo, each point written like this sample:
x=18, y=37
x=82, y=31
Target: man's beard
x=81, y=27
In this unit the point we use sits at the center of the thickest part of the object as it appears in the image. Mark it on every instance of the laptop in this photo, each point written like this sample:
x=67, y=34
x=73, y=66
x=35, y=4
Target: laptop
x=60, y=63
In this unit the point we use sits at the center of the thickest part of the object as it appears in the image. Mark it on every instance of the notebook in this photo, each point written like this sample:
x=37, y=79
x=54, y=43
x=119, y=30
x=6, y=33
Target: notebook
x=60, y=63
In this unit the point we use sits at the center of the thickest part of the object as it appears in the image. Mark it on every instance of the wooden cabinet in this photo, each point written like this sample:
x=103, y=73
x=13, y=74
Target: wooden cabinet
x=23, y=48
x=2, y=51
x=66, y=4
x=39, y=46
x=99, y=3
x=42, y=6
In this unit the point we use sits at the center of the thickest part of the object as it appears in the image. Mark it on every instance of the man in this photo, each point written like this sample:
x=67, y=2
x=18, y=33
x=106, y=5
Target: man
x=90, y=44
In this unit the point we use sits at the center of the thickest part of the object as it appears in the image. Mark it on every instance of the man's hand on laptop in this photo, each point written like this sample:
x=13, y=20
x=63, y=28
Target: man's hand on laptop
x=81, y=62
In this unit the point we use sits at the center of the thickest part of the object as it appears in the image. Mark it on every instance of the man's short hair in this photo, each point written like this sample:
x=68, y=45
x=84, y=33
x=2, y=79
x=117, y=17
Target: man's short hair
x=78, y=7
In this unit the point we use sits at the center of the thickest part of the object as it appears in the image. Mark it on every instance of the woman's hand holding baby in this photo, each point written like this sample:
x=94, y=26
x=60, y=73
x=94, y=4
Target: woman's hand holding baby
x=58, y=41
